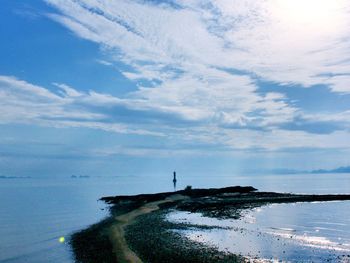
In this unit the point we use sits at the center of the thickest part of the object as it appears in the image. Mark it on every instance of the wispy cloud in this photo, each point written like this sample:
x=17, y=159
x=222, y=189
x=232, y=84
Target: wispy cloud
x=64, y=106
x=201, y=61
x=189, y=64
x=283, y=41
x=22, y=102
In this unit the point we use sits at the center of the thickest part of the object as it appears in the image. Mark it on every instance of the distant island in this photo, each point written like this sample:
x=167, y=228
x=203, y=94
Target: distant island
x=344, y=169
x=80, y=176
x=14, y=177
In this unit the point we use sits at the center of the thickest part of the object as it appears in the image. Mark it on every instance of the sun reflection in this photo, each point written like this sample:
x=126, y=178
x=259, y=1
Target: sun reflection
x=314, y=241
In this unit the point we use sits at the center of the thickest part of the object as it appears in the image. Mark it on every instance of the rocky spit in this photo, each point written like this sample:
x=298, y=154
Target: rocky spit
x=137, y=231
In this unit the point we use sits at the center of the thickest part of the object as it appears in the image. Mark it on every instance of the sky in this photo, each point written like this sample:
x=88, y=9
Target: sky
x=139, y=87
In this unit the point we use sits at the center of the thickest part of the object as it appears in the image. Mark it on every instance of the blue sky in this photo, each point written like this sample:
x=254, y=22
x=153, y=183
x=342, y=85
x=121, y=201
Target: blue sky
x=130, y=87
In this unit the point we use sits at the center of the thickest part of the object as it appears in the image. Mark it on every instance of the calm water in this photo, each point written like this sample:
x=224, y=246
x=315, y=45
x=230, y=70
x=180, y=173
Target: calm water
x=35, y=212
x=301, y=232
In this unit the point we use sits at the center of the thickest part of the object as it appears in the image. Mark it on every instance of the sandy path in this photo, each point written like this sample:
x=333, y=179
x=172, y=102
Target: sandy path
x=120, y=246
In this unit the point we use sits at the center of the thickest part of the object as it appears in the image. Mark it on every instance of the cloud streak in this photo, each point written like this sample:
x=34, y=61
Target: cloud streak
x=189, y=64
x=282, y=41
x=22, y=102
x=197, y=64
x=66, y=107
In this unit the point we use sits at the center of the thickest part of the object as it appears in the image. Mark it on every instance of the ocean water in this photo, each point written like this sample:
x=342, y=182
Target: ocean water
x=36, y=212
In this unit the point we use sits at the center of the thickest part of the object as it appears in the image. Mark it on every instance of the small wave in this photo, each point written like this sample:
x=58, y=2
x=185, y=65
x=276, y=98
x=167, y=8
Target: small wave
x=314, y=241
x=330, y=223
x=283, y=229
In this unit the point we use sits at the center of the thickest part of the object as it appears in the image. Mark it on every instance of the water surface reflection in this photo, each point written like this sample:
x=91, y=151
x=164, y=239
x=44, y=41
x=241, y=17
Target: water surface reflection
x=312, y=232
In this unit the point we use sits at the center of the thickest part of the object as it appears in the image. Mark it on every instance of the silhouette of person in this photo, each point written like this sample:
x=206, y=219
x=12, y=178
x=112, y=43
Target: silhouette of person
x=174, y=180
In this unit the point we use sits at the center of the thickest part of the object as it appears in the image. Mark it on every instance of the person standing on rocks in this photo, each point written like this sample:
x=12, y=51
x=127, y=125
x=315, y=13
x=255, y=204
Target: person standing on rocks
x=174, y=180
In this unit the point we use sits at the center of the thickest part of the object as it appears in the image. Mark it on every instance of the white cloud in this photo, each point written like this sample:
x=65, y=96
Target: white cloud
x=200, y=57
x=342, y=117
x=191, y=51
x=104, y=62
x=271, y=140
x=339, y=83
x=22, y=102
x=66, y=90
x=219, y=98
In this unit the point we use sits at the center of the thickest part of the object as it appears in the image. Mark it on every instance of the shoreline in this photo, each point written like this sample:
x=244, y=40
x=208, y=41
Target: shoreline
x=142, y=216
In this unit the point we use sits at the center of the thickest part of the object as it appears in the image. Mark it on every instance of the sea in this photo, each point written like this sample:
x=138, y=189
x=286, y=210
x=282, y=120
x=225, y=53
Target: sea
x=39, y=214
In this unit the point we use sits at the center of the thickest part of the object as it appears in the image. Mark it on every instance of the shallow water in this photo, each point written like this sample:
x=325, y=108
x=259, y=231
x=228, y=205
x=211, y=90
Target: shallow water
x=36, y=212
x=300, y=232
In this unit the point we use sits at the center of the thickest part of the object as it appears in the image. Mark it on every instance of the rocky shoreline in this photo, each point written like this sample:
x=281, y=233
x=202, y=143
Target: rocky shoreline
x=162, y=242
x=143, y=231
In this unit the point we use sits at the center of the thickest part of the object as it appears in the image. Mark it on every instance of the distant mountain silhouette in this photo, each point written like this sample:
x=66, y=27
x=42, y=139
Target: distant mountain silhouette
x=345, y=169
